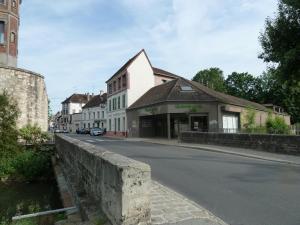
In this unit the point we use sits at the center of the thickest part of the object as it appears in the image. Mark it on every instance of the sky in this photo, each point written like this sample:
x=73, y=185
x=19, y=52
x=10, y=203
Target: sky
x=77, y=45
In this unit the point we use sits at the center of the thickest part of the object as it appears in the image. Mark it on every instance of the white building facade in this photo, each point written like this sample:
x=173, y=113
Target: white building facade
x=72, y=105
x=126, y=86
x=94, y=113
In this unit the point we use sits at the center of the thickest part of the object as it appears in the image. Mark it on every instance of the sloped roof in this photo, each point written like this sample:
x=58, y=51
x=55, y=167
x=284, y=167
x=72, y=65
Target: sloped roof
x=96, y=101
x=172, y=91
x=165, y=73
x=127, y=64
x=77, y=98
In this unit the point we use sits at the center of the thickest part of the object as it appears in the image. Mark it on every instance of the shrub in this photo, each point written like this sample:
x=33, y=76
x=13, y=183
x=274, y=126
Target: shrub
x=6, y=167
x=33, y=135
x=277, y=125
x=32, y=164
x=250, y=120
x=8, y=131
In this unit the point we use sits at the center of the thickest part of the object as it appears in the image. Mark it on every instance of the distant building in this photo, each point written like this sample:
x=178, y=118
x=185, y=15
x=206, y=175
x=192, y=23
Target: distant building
x=94, y=113
x=128, y=84
x=70, y=106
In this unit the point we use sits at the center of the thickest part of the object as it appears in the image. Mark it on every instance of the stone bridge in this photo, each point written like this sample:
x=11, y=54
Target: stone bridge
x=104, y=183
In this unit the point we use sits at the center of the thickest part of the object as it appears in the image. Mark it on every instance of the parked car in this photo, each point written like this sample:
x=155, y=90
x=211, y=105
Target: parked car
x=83, y=131
x=96, y=131
x=60, y=131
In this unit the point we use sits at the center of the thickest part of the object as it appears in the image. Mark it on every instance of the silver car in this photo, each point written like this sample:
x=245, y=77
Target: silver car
x=96, y=131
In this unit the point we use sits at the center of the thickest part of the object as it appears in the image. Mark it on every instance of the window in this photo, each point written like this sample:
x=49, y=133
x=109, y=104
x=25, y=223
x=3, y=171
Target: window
x=119, y=124
x=98, y=115
x=124, y=125
x=102, y=114
x=119, y=102
x=2, y=1
x=109, y=124
x=109, y=105
x=94, y=115
x=14, y=3
x=114, y=104
x=164, y=81
x=2, y=31
x=114, y=86
x=186, y=88
x=89, y=115
x=124, y=101
x=109, y=88
x=124, y=80
x=119, y=83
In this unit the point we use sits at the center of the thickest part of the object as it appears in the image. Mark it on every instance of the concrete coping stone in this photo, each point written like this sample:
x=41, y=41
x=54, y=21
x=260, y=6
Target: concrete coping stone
x=115, y=159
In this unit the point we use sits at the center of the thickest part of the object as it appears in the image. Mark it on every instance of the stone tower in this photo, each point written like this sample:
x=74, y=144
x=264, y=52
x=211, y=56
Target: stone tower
x=9, y=31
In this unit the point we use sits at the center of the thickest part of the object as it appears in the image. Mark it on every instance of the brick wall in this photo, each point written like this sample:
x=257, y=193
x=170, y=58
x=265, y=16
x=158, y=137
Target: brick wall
x=286, y=144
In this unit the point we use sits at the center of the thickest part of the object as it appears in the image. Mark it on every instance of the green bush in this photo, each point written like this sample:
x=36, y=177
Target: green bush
x=32, y=164
x=250, y=126
x=8, y=132
x=33, y=135
x=6, y=168
x=277, y=125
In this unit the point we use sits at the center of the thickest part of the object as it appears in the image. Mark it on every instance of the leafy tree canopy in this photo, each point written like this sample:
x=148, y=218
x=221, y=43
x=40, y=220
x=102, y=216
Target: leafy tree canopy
x=281, y=40
x=242, y=85
x=212, y=78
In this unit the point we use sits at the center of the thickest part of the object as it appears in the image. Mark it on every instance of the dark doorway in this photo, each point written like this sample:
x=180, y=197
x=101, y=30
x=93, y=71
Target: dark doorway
x=199, y=123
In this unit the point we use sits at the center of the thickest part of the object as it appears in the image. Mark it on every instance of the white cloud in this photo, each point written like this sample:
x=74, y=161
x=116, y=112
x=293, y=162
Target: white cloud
x=66, y=41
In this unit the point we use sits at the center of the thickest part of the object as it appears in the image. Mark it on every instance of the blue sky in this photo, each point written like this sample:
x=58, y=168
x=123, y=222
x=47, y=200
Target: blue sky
x=77, y=45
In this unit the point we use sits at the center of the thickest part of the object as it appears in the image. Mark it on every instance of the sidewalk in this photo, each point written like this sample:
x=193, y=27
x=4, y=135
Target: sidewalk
x=290, y=159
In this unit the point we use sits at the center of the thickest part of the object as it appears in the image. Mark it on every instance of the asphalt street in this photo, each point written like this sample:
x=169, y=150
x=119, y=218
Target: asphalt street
x=239, y=190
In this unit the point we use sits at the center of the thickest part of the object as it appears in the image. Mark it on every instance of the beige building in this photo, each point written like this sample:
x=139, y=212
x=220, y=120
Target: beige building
x=182, y=105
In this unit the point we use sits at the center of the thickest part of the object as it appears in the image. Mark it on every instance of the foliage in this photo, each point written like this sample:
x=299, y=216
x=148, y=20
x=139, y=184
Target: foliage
x=8, y=132
x=32, y=164
x=242, y=85
x=281, y=46
x=276, y=125
x=250, y=120
x=33, y=135
x=281, y=40
x=212, y=78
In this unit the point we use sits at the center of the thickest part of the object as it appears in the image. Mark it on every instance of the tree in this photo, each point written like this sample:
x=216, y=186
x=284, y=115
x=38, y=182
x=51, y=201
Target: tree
x=212, y=78
x=8, y=132
x=281, y=46
x=242, y=85
x=281, y=40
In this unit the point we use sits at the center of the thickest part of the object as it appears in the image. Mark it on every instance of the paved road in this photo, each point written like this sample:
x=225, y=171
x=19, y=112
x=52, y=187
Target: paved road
x=239, y=190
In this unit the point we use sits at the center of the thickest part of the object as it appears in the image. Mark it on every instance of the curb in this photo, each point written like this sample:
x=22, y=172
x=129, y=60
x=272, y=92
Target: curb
x=212, y=149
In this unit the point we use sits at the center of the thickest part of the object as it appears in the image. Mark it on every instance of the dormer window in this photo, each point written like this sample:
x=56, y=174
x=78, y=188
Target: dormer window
x=14, y=3
x=186, y=88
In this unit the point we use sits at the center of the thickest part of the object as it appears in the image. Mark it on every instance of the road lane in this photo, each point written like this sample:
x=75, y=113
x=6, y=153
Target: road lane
x=239, y=190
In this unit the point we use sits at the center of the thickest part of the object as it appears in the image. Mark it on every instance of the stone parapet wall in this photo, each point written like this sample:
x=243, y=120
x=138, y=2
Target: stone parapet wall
x=120, y=186
x=28, y=89
x=286, y=144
